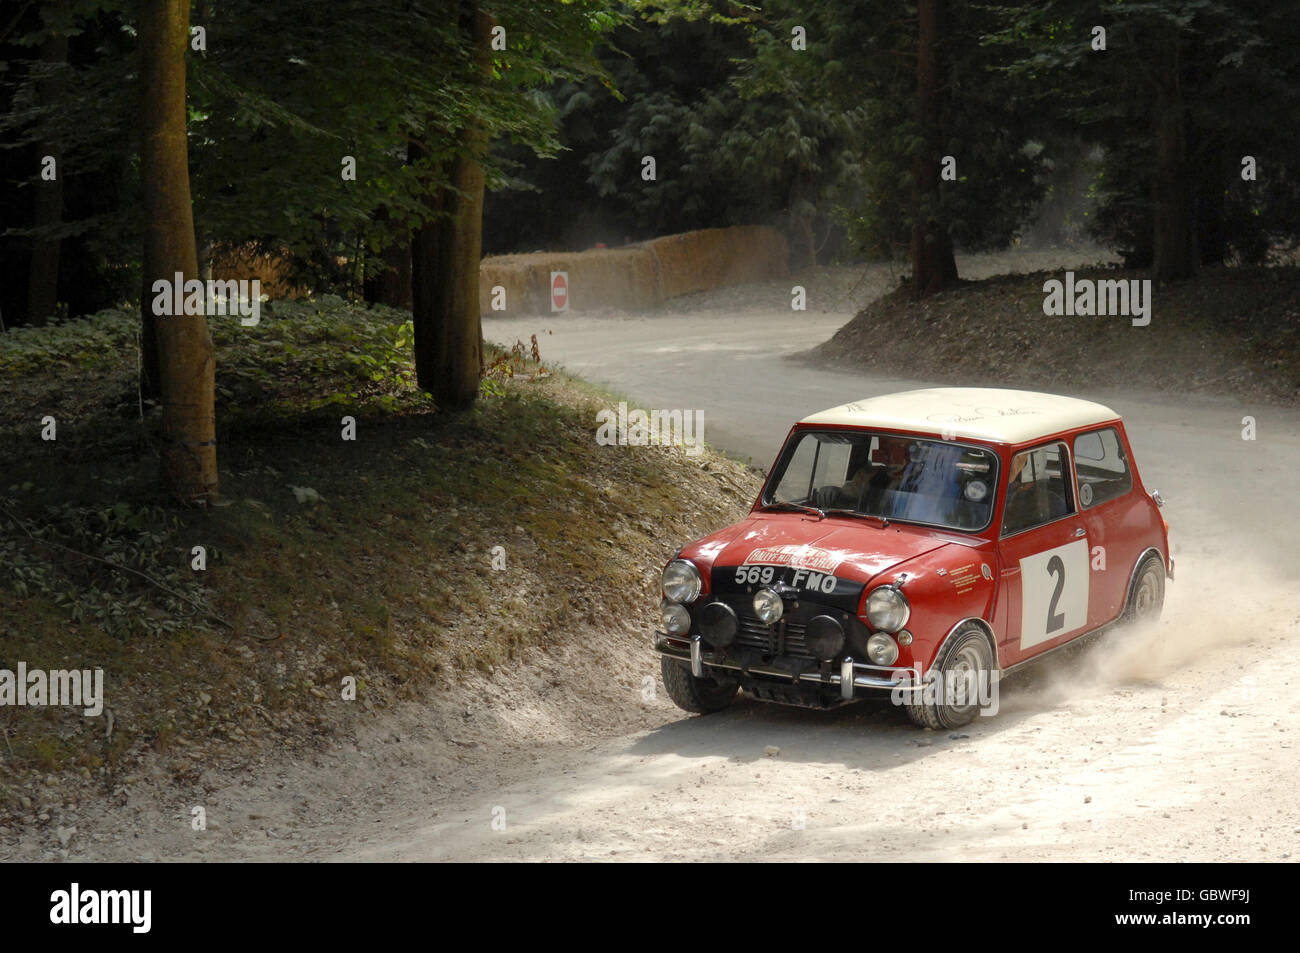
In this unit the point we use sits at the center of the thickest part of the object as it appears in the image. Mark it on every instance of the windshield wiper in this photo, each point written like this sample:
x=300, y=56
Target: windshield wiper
x=787, y=505
x=839, y=511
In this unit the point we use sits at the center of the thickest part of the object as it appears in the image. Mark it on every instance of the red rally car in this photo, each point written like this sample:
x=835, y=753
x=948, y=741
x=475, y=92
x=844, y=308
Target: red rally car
x=919, y=544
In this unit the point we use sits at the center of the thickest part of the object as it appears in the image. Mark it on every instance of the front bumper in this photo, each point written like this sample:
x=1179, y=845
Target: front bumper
x=851, y=679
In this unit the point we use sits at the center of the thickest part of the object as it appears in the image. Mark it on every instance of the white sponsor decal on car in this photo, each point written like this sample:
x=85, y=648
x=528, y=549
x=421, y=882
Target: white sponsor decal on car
x=797, y=556
x=1054, y=594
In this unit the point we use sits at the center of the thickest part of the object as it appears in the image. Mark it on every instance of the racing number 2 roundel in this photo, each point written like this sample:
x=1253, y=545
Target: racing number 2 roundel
x=1054, y=593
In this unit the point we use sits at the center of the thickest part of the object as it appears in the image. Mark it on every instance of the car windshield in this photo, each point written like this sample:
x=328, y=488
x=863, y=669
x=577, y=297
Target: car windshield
x=890, y=476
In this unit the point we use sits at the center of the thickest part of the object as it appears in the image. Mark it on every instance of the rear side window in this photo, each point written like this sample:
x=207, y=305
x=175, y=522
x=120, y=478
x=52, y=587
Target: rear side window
x=1101, y=467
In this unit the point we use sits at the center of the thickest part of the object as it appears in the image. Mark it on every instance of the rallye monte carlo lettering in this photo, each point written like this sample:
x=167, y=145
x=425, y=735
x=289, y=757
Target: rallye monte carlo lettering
x=920, y=545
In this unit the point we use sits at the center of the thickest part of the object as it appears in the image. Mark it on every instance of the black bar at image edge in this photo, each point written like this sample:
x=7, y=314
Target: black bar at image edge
x=333, y=901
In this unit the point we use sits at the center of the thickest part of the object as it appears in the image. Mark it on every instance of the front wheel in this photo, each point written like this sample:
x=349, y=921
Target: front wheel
x=699, y=696
x=964, y=670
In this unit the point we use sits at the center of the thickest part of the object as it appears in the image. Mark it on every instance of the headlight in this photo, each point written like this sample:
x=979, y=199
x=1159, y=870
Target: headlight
x=881, y=649
x=768, y=605
x=682, y=581
x=674, y=618
x=824, y=637
x=718, y=624
x=887, y=609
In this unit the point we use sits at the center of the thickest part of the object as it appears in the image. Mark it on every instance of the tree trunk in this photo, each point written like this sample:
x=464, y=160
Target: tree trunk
x=186, y=363
x=43, y=278
x=1214, y=167
x=444, y=262
x=1175, y=256
x=933, y=266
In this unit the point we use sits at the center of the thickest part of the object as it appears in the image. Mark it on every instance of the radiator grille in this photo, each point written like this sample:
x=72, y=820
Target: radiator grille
x=770, y=640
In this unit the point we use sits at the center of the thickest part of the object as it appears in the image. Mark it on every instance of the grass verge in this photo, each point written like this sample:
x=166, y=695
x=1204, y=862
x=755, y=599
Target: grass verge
x=430, y=546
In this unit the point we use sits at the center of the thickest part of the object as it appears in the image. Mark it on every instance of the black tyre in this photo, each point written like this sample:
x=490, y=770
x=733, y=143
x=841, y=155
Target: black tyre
x=1147, y=596
x=966, y=658
x=699, y=696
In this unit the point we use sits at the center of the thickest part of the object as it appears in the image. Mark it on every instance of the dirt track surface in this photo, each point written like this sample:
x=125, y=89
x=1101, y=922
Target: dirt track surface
x=1178, y=743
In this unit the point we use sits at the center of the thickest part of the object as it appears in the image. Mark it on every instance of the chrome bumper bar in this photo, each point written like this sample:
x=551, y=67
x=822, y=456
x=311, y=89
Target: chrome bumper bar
x=851, y=675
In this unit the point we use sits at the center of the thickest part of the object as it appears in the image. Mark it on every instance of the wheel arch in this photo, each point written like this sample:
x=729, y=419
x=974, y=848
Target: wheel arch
x=984, y=627
x=1133, y=573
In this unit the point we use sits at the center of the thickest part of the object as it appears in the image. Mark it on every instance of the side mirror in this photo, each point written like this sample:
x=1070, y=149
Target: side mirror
x=1160, y=500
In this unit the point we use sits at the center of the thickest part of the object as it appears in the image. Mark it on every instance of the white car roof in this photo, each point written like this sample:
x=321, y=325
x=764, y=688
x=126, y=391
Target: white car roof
x=966, y=413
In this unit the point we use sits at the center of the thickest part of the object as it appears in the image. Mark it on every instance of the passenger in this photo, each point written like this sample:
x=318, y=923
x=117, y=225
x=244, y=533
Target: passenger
x=929, y=489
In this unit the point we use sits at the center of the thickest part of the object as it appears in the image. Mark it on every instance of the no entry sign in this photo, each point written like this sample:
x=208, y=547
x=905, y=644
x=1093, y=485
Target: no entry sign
x=559, y=291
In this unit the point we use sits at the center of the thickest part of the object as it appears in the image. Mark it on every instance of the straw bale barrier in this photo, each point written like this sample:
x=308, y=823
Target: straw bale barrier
x=246, y=262
x=638, y=277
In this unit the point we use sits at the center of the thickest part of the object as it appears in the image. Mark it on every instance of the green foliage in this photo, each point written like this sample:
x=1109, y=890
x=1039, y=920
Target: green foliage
x=362, y=78
x=93, y=341
x=727, y=150
x=1227, y=66
x=301, y=356
x=282, y=93
x=97, y=591
x=317, y=352
x=657, y=79
x=744, y=128
x=91, y=130
x=861, y=62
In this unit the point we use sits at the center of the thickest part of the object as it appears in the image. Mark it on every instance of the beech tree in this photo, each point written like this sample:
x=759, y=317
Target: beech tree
x=184, y=347
x=496, y=61
x=445, y=252
x=415, y=96
x=919, y=87
x=934, y=267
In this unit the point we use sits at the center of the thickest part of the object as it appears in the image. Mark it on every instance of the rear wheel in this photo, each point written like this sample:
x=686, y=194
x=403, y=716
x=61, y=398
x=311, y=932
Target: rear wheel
x=1148, y=595
x=697, y=695
x=964, y=668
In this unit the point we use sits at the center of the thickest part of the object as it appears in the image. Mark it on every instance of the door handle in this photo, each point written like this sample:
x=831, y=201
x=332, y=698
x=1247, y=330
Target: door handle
x=1080, y=532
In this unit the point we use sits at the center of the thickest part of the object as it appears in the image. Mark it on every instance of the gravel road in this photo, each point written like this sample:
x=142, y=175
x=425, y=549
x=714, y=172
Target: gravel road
x=1177, y=743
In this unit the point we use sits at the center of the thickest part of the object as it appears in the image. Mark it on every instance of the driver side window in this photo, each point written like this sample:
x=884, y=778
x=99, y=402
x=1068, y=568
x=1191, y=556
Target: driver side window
x=817, y=462
x=1038, y=489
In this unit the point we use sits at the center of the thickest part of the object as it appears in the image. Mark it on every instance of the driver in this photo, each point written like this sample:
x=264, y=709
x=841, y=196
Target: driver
x=867, y=483
x=1036, y=500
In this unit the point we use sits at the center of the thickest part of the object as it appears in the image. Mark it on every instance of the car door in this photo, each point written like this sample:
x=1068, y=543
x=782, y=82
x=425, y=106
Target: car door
x=1110, y=511
x=1043, y=553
